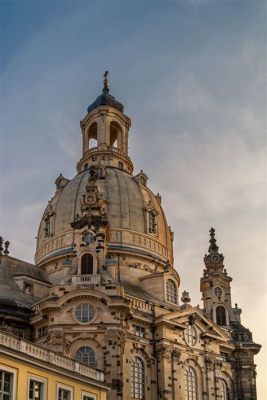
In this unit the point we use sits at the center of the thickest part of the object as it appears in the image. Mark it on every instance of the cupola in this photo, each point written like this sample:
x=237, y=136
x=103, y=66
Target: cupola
x=105, y=133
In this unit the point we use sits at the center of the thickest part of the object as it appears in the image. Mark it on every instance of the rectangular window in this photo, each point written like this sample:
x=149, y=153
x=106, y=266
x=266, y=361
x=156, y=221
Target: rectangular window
x=6, y=385
x=139, y=331
x=87, y=397
x=28, y=288
x=41, y=332
x=64, y=392
x=36, y=390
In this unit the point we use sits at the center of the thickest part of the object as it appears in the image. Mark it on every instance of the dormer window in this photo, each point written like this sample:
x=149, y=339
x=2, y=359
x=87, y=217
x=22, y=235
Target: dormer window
x=151, y=214
x=152, y=222
x=141, y=178
x=28, y=288
x=48, y=222
x=47, y=227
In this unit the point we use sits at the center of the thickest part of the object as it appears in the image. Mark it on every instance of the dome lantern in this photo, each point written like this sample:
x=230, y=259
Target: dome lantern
x=105, y=133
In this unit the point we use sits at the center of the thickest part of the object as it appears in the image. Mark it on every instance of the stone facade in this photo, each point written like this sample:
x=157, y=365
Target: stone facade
x=111, y=301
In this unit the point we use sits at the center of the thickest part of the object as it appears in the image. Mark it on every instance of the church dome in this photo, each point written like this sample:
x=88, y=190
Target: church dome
x=104, y=211
x=128, y=203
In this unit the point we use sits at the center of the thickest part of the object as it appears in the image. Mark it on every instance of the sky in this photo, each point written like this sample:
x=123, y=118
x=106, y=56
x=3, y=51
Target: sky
x=192, y=77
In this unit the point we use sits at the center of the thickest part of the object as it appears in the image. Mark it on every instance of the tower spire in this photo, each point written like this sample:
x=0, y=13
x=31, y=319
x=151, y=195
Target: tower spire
x=105, y=83
x=213, y=260
x=213, y=246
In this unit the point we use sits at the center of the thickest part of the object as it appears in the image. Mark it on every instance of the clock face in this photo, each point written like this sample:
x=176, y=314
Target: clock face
x=218, y=291
x=215, y=258
x=90, y=198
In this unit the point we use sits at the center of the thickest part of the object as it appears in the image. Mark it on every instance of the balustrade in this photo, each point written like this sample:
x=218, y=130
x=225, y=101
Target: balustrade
x=49, y=356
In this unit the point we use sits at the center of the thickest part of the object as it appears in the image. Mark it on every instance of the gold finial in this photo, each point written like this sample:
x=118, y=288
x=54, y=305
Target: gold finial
x=106, y=83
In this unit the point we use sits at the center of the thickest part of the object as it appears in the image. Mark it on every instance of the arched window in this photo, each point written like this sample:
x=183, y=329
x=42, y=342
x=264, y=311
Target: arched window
x=220, y=316
x=48, y=222
x=47, y=227
x=225, y=390
x=190, y=384
x=87, y=264
x=137, y=379
x=86, y=355
x=115, y=135
x=152, y=223
x=92, y=135
x=171, y=291
x=190, y=335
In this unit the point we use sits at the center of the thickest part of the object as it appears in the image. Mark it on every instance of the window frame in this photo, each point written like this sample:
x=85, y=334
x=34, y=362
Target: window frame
x=84, y=394
x=152, y=222
x=138, y=387
x=64, y=387
x=13, y=372
x=88, y=313
x=191, y=389
x=170, y=295
x=190, y=338
x=88, y=365
x=85, y=265
x=226, y=389
x=218, y=292
x=222, y=318
x=41, y=380
x=139, y=330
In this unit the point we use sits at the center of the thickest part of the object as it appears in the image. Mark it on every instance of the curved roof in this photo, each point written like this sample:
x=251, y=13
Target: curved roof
x=105, y=99
x=126, y=202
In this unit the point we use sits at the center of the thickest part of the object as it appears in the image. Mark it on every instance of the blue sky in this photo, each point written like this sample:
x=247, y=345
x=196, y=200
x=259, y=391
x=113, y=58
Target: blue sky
x=192, y=76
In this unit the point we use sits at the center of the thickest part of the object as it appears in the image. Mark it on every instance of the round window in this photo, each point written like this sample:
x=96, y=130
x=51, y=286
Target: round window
x=190, y=335
x=218, y=291
x=85, y=313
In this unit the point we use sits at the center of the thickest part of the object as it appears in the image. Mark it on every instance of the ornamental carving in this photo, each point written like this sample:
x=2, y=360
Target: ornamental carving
x=92, y=205
x=115, y=337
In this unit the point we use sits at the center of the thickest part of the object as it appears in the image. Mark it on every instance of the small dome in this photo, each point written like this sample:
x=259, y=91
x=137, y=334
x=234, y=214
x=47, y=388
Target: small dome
x=105, y=99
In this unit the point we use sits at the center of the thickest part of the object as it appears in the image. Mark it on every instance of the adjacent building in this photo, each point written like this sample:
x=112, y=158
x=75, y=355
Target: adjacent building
x=28, y=371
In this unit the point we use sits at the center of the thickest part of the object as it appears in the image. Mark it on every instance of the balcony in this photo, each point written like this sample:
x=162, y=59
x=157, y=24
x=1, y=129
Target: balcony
x=12, y=343
x=85, y=279
x=108, y=149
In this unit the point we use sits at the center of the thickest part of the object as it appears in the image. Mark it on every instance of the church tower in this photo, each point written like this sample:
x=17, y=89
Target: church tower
x=215, y=287
x=216, y=292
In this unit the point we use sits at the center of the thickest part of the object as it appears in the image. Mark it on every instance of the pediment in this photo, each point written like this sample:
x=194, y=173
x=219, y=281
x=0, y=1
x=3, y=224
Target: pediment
x=206, y=327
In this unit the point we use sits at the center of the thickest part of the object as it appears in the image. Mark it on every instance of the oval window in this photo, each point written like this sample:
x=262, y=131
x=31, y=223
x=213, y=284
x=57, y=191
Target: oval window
x=85, y=313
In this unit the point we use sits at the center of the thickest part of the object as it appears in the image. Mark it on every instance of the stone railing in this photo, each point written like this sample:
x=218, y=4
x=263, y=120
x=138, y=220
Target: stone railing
x=140, y=305
x=37, y=352
x=85, y=279
x=115, y=150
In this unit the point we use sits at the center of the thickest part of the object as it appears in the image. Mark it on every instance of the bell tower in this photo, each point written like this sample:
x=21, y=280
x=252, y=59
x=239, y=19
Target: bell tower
x=215, y=287
x=105, y=133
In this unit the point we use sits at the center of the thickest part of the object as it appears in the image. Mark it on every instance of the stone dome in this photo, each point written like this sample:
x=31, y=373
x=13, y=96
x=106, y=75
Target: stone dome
x=127, y=198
